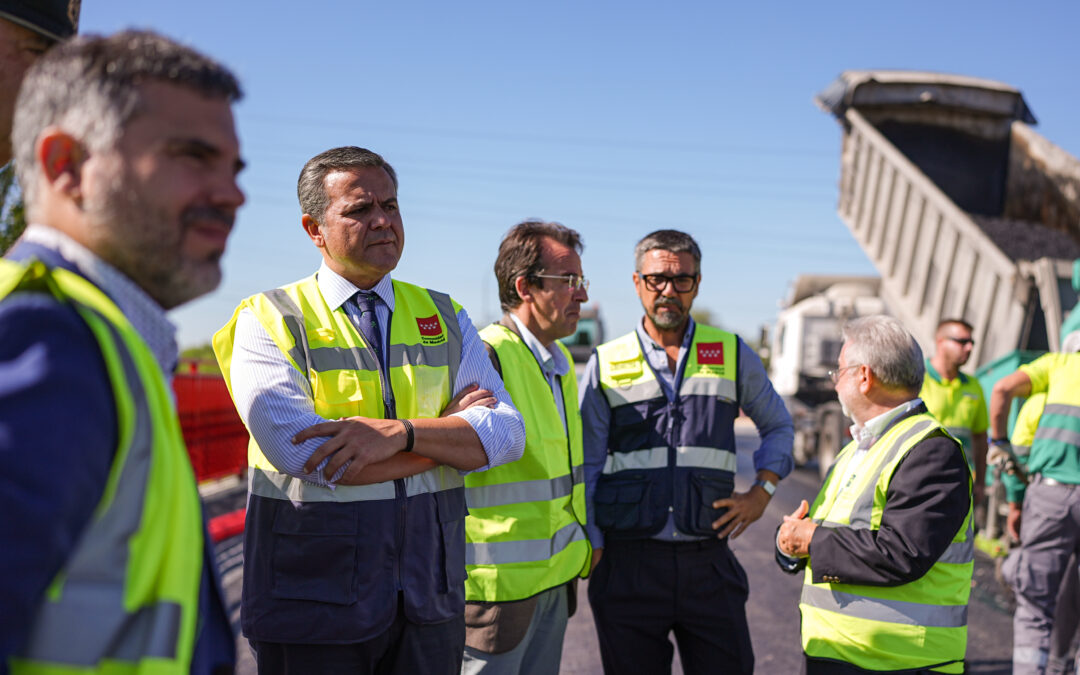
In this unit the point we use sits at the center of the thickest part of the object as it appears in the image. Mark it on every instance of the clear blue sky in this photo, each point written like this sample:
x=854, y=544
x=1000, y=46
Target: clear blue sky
x=614, y=118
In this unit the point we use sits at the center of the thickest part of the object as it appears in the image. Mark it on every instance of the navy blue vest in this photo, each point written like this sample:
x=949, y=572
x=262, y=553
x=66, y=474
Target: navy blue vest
x=667, y=456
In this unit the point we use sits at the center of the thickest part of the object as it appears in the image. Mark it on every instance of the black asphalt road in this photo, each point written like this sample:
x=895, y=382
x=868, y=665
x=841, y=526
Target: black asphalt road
x=773, y=606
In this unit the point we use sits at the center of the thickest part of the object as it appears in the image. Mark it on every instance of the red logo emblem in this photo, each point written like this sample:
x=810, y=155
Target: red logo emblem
x=710, y=353
x=429, y=326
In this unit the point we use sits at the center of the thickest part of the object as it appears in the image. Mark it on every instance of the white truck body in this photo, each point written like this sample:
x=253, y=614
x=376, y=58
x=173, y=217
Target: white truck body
x=805, y=346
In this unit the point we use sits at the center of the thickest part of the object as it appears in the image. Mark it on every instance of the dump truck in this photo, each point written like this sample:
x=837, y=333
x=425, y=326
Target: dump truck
x=964, y=210
x=805, y=346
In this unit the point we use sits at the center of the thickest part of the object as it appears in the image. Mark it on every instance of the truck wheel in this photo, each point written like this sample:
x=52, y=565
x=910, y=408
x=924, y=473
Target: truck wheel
x=829, y=441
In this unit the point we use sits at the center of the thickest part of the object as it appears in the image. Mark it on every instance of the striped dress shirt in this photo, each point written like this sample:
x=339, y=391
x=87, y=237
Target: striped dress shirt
x=275, y=399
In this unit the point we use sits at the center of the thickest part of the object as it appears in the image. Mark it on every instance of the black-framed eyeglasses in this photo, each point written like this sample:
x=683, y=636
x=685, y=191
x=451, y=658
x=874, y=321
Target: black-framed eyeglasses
x=683, y=283
x=961, y=341
x=834, y=375
x=574, y=281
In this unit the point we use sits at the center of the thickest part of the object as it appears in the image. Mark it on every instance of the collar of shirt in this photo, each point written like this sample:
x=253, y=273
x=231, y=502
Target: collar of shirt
x=553, y=362
x=336, y=289
x=146, y=316
x=937, y=377
x=654, y=350
x=867, y=434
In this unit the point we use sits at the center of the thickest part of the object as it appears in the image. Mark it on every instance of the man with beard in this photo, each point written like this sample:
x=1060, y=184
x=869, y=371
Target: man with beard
x=128, y=156
x=658, y=408
x=887, y=545
x=956, y=399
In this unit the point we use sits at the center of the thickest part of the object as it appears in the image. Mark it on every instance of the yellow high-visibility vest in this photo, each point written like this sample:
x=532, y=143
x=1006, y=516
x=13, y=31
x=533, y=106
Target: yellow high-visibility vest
x=127, y=599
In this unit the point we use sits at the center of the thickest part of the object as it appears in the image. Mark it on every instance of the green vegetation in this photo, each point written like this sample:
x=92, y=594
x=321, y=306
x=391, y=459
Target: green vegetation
x=202, y=357
x=12, y=213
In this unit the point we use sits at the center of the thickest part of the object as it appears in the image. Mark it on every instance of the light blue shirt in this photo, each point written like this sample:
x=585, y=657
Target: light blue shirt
x=552, y=363
x=756, y=397
x=275, y=400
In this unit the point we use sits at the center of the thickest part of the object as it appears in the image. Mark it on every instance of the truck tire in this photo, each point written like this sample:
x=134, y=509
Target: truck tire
x=832, y=433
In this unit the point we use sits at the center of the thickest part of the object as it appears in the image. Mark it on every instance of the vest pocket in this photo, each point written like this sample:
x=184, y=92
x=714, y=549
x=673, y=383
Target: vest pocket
x=451, y=512
x=314, y=554
x=705, y=488
x=621, y=502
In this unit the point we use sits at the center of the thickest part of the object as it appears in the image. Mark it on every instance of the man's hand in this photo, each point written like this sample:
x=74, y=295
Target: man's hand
x=1012, y=521
x=796, y=532
x=597, y=553
x=470, y=396
x=743, y=508
x=356, y=441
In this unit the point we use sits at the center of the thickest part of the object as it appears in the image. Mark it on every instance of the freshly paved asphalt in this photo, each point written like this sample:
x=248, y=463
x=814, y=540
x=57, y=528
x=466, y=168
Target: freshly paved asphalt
x=773, y=606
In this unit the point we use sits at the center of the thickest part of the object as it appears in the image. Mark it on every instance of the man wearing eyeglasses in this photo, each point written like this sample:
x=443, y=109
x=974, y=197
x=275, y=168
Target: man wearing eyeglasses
x=525, y=533
x=658, y=410
x=887, y=545
x=956, y=399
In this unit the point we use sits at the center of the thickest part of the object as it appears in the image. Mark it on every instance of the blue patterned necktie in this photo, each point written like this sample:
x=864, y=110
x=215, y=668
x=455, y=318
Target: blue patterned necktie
x=368, y=323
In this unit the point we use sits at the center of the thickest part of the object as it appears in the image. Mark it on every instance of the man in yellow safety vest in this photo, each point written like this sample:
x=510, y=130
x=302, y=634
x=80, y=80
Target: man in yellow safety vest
x=127, y=155
x=525, y=532
x=887, y=544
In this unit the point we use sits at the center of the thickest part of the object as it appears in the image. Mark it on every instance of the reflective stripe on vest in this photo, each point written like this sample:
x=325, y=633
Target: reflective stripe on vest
x=920, y=624
x=1065, y=430
x=126, y=599
x=525, y=530
x=657, y=458
x=345, y=378
x=627, y=380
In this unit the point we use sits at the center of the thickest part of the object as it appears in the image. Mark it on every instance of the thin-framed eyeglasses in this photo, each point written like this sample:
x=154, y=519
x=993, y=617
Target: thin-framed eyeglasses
x=683, y=283
x=834, y=375
x=574, y=281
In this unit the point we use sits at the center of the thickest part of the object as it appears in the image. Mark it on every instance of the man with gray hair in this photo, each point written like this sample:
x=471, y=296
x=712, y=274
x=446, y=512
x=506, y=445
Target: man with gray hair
x=127, y=151
x=887, y=544
x=658, y=410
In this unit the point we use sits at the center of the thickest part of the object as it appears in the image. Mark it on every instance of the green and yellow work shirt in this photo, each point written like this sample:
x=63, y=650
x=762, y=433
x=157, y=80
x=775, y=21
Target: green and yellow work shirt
x=1055, y=451
x=958, y=404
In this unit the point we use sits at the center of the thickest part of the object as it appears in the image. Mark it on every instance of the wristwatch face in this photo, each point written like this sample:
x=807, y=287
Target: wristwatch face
x=769, y=487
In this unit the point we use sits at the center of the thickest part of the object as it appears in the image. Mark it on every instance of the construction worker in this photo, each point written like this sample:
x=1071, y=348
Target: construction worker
x=526, y=542
x=127, y=153
x=354, y=545
x=1062, y=657
x=887, y=545
x=956, y=399
x=658, y=409
x=1047, y=522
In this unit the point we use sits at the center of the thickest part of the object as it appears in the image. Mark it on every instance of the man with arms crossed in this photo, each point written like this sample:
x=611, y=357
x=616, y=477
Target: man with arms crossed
x=658, y=408
x=128, y=156
x=887, y=545
x=354, y=551
x=526, y=524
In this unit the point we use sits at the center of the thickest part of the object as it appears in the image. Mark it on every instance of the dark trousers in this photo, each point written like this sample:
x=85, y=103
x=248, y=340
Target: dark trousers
x=405, y=648
x=644, y=589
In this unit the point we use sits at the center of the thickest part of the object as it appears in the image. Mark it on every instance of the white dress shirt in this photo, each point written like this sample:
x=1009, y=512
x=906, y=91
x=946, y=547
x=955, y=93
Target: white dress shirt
x=275, y=399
